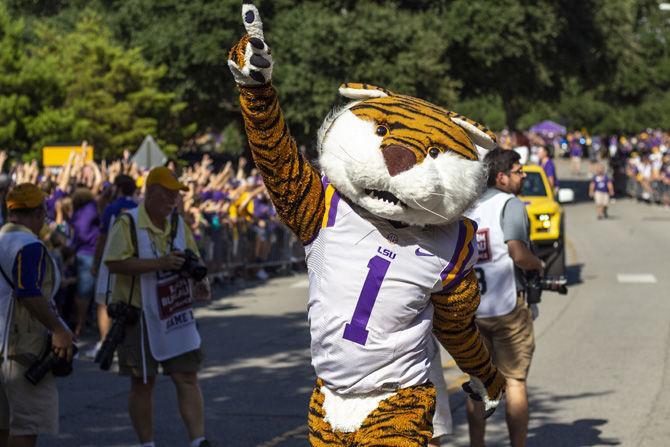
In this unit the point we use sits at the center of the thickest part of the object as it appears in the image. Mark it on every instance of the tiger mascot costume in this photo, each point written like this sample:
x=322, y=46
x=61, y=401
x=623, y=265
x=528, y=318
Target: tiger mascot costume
x=389, y=256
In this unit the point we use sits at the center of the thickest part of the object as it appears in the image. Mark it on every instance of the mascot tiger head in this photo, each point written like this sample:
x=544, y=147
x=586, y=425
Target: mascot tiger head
x=402, y=158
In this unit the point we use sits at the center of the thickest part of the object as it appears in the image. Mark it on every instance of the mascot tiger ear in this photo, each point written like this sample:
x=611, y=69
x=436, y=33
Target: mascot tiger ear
x=478, y=133
x=354, y=90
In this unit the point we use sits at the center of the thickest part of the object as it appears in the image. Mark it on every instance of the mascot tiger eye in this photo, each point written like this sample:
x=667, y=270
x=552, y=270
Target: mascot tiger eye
x=388, y=252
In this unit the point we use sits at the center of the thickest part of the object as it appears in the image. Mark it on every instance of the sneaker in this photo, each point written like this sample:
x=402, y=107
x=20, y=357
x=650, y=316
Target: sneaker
x=91, y=353
x=204, y=443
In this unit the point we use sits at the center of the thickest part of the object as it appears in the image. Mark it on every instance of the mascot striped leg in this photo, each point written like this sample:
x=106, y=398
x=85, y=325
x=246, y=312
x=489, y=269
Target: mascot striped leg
x=404, y=419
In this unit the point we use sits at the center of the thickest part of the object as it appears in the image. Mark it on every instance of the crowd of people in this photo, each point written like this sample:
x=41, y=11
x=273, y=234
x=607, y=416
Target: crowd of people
x=232, y=218
x=233, y=224
x=638, y=165
x=227, y=209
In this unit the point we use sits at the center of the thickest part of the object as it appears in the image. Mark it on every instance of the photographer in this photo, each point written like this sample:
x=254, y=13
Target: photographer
x=504, y=317
x=28, y=282
x=151, y=295
x=124, y=189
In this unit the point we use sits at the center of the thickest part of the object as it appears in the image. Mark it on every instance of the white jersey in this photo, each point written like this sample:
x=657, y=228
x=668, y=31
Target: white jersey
x=11, y=242
x=370, y=284
x=494, y=268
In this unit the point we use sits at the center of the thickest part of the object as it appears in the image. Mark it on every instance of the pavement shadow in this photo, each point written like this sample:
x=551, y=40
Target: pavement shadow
x=544, y=430
x=256, y=382
x=582, y=432
x=578, y=433
x=574, y=274
x=259, y=379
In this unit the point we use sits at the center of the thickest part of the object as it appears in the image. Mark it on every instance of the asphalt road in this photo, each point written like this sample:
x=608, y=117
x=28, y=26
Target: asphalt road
x=600, y=376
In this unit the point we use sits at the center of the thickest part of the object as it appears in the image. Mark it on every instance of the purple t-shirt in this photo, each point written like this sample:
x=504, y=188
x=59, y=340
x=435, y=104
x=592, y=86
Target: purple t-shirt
x=114, y=209
x=550, y=170
x=601, y=182
x=51, y=203
x=263, y=209
x=205, y=195
x=219, y=196
x=86, y=225
x=575, y=149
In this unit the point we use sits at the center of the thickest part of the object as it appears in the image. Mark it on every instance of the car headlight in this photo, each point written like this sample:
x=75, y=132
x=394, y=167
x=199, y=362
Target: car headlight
x=545, y=219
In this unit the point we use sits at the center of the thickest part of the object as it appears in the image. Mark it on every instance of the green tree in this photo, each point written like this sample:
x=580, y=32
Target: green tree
x=506, y=48
x=317, y=49
x=25, y=84
x=108, y=95
x=192, y=40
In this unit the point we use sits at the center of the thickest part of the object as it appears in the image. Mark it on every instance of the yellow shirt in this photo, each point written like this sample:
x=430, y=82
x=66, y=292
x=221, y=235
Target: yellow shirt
x=121, y=247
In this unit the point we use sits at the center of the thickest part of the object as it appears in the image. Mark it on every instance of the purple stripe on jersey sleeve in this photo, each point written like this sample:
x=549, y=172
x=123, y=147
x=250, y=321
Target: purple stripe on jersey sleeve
x=332, y=211
x=466, y=268
x=325, y=182
x=462, y=231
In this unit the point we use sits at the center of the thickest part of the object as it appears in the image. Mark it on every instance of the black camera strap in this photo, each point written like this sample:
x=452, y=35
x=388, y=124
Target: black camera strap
x=174, y=226
x=4, y=275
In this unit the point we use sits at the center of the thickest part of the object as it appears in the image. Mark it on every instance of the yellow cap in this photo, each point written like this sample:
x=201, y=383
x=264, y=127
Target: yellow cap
x=25, y=195
x=166, y=178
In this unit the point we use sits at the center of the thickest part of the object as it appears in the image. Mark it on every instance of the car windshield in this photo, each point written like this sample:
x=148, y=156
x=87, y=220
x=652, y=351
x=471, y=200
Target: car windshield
x=533, y=185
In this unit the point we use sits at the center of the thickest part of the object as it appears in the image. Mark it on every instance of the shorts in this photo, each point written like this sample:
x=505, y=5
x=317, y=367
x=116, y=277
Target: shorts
x=85, y=281
x=27, y=409
x=130, y=357
x=511, y=340
x=601, y=198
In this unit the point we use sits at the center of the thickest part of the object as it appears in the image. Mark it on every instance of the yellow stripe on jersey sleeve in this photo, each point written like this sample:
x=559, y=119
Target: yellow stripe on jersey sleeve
x=463, y=255
x=329, y=198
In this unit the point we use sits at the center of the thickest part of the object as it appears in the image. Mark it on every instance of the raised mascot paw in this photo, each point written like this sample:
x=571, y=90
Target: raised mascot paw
x=477, y=391
x=250, y=60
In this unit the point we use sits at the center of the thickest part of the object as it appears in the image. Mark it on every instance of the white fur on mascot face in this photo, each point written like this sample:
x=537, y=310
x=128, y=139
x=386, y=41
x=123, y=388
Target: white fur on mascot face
x=402, y=158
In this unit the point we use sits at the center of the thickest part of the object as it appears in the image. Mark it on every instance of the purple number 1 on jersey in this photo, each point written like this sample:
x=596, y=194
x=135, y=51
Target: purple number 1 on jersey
x=355, y=331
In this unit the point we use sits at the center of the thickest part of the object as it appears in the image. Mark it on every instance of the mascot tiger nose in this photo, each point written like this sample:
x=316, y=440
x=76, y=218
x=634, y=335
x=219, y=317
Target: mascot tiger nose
x=398, y=159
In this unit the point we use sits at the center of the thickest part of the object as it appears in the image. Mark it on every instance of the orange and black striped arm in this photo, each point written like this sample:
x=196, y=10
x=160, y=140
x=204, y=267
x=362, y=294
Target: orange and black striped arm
x=454, y=326
x=293, y=184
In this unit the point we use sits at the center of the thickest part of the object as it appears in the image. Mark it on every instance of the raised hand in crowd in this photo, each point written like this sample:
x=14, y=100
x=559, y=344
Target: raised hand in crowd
x=3, y=159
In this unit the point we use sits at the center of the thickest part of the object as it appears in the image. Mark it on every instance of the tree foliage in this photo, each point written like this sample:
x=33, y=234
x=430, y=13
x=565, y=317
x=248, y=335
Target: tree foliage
x=82, y=85
x=600, y=64
x=356, y=45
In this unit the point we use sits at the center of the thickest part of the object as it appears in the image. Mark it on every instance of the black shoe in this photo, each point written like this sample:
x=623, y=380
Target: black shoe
x=204, y=443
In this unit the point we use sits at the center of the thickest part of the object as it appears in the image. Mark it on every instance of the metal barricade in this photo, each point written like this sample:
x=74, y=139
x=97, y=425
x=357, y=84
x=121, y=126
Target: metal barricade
x=237, y=250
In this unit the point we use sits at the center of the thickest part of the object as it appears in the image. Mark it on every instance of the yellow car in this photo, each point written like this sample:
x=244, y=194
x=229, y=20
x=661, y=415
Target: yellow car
x=547, y=220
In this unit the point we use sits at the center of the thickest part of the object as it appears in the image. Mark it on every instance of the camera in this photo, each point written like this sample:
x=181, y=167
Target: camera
x=192, y=267
x=535, y=285
x=60, y=367
x=123, y=314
